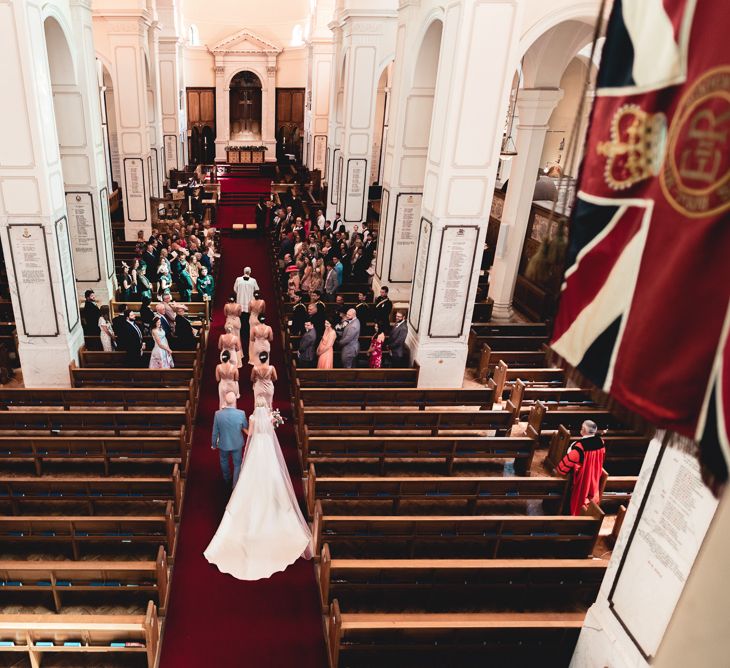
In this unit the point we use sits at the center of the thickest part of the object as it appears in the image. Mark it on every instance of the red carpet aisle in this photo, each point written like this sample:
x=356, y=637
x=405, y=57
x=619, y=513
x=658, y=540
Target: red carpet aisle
x=214, y=619
x=239, y=195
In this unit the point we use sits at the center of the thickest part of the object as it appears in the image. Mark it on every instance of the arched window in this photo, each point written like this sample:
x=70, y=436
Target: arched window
x=193, y=35
x=297, y=35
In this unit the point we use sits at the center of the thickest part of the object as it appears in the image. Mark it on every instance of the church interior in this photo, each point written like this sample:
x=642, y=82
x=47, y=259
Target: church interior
x=520, y=456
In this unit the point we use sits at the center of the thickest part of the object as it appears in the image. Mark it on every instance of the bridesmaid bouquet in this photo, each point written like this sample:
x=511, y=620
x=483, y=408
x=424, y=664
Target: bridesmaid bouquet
x=276, y=419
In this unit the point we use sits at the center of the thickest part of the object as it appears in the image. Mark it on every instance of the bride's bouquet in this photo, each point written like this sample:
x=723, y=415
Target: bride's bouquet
x=276, y=419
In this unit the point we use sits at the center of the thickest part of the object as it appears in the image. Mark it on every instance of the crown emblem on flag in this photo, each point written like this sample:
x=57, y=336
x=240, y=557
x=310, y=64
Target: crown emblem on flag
x=636, y=148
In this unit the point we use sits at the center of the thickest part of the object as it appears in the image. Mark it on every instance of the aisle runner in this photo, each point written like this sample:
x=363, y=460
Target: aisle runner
x=238, y=199
x=214, y=619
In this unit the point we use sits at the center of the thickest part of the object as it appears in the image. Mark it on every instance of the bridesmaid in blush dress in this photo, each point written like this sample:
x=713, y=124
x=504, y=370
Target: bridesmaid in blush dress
x=230, y=342
x=325, y=349
x=261, y=338
x=263, y=377
x=232, y=311
x=226, y=373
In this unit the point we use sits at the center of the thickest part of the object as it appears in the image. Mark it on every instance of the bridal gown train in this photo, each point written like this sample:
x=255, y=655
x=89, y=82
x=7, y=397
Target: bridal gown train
x=262, y=530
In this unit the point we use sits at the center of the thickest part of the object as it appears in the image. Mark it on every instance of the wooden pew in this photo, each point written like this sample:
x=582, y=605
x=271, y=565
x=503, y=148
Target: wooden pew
x=624, y=452
x=94, y=359
x=450, y=450
x=459, y=585
x=488, y=360
x=467, y=640
x=616, y=491
x=104, y=635
x=364, y=398
x=434, y=423
x=75, y=531
x=158, y=378
x=511, y=342
x=88, y=449
x=486, y=537
x=504, y=377
x=500, y=329
x=350, y=495
x=357, y=377
x=196, y=310
x=91, y=493
x=551, y=397
x=104, y=398
x=63, y=580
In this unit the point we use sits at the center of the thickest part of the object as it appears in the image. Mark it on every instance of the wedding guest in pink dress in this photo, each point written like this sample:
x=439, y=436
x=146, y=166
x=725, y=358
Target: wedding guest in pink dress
x=325, y=350
x=375, y=351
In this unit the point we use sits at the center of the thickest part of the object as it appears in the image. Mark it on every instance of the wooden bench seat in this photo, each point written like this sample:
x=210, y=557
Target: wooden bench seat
x=505, y=376
x=512, y=342
x=61, y=581
x=94, y=359
x=543, y=423
x=500, y=329
x=75, y=531
x=551, y=397
x=466, y=640
x=42, y=635
x=616, y=491
x=447, y=449
x=364, y=398
x=106, y=398
x=157, y=378
x=487, y=361
x=93, y=493
x=196, y=310
x=399, y=495
x=485, y=536
x=93, y=343
x=454, y=585
x=357, y=377
x=87, y=449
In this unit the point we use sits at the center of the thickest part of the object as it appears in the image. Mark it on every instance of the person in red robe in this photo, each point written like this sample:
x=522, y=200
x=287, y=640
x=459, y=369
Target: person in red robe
x=585, y=459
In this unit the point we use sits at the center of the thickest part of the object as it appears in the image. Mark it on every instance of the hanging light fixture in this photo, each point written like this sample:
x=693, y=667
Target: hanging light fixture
x=508, y=150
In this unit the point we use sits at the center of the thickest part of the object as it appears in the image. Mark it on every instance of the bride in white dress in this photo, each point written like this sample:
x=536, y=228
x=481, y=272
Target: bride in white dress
x=262, y=530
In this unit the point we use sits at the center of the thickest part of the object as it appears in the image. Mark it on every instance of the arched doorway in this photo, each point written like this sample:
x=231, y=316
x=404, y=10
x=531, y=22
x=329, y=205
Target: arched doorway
x=245, y=107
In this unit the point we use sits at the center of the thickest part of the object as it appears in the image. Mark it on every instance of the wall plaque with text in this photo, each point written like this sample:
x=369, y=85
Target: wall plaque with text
x=170, y=146
x=319, y=160
x=355, y=190
x=420, y=273
x=404, y=237
x=82, y=229
x=135, y=192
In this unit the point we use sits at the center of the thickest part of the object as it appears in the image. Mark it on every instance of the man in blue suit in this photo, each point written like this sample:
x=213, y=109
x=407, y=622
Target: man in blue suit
x=230, y=428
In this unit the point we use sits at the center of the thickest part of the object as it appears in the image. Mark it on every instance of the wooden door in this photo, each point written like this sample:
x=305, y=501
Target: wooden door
x=289, y=121
x=201, y=117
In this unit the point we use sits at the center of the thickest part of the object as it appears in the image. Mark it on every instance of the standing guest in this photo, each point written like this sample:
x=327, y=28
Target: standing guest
x=119, y=323
x=232, y=310
x=144, y=287
x=164, y=283
x=185, y=338
x=125, y=281
x=132, y=342
x=325, y=349
x=161, y=315
x=585, y=459
x=337, y=310
x=299, y=315
x=350, y=340
x=244, y=287
x=261, y=338
x=307, y=347
x=337, y=221
x=397, y=341
x=320, y=219
x=161, y=357
x=146, y=314
x=363, y=311
x=317, y=317
x=185, y=283
x=105, y=329
x=90, y=314
x=170, y=306
x=383, y=308
x=226, y=373
x=205, y=285
x=306, y=282
x=331, y=282
x=230, y=342
x=339, y=268
x=149, y=258
x=317, y=282
x=229, y=428
x=263, y=377
x=375, y=351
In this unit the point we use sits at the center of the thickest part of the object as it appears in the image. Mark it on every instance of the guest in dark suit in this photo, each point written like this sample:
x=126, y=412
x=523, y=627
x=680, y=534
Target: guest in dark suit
x=119, y=323
x=397, y=341
x=363, y=311
x=317, y=316
x=184, y=338
x=132, y=342
x=162, y=315
x=308, y=347
x=383, y=308
x=90, y=315
x=299, y=315
x=146, y=314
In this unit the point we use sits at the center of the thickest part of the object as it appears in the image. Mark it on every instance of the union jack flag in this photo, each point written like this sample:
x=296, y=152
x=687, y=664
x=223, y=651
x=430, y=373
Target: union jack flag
x=645, y=304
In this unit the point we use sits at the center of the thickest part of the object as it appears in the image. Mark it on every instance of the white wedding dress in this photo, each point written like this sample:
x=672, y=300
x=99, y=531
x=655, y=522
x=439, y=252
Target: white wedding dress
x=262, y=530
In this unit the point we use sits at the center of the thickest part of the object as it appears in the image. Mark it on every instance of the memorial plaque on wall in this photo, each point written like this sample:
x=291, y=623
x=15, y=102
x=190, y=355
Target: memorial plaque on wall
x=82, y=229
x=32, y=269
x=106, y=225
x=666, y=536
x=355, y=195
x=319, y=160
x=404, y=237
x=420, y=272
x=170, y=145
x=135, y=192
x=336, y=176
x=63, y=241
x=155, y=174
x=454, y=270
x=384, y=199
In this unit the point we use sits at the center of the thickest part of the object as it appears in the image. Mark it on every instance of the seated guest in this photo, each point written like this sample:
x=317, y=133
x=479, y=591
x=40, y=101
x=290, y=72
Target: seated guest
x=307, y=347
x=184, y=338
x=585, y=459
x=90, y=314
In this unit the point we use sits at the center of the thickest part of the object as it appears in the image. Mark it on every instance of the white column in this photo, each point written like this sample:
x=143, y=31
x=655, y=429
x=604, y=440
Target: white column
x=128, y=38
x=222, y=113
x=268, y=110
x=316, y=114
x=406, y=147
x=369, y=44
x=335, y=124
x=172, y=89
x=459, y=182
x=534, y=106
x=33, y=217
x=154, y=111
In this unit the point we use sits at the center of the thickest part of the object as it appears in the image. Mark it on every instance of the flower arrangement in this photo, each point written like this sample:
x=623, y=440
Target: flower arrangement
x=276, y=419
